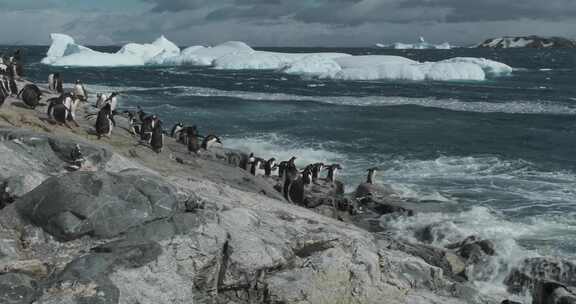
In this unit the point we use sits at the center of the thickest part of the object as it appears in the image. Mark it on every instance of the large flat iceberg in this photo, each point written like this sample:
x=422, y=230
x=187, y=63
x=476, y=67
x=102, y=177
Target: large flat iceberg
x=236, y=55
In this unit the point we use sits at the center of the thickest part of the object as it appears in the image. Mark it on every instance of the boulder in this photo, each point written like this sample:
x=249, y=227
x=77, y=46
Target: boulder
x=17, y=288
x=533, y=271
x=553, y=293
x=99, y=204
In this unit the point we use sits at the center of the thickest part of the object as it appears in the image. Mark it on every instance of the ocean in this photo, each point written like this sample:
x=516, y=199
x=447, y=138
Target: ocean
x=498, y=156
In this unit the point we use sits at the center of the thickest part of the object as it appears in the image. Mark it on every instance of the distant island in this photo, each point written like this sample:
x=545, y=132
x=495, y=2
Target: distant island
x=527, y=42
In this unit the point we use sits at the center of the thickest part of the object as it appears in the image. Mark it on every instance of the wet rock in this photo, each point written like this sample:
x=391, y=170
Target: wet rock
x=374, y=190
x=98, y=204
x=452, y=264
x=553, y=293
x=533, y=271
x=17, y=288
x=472, y=249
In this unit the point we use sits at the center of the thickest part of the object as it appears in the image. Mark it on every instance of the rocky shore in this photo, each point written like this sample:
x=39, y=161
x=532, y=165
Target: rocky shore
x=135, y=226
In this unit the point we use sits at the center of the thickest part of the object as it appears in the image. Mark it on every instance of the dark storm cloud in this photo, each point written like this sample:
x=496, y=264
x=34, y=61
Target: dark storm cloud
x=497, y=10
x=354, y=12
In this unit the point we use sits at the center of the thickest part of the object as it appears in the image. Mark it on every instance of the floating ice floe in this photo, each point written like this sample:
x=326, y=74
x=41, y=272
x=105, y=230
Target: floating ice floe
x=236, y=55
x=422, y=45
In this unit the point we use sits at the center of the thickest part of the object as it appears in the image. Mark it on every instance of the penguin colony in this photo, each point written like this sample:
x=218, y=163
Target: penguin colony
x=148, y=128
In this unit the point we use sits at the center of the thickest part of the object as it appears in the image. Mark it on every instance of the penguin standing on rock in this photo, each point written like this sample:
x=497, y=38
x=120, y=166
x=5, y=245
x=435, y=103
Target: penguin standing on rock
x=80, y=92
x=157, y=140
x=316, y=169
x=332, y=172
x=192, y=137
x=175, y=132
x=255, y=166
x=307, y=176
x=371, y=175
x=210, y=141
x=71, y=103
x=291, y=174
x=147, y=128
x=269, y=166
x=76, y=158
x=104, y=122
x=58, y=111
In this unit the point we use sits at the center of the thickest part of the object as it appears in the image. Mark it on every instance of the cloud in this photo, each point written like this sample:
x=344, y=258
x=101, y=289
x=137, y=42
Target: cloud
x=284, y=22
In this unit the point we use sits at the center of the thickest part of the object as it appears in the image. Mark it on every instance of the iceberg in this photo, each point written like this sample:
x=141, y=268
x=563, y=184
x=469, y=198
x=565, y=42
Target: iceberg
x=235, y=55
x=422, y=45
x=65, y=52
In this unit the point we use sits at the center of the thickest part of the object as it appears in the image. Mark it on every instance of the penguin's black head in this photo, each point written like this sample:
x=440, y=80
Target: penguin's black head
x=77, y=81
x=292, y=159
x=373, y=169
x=271, y=160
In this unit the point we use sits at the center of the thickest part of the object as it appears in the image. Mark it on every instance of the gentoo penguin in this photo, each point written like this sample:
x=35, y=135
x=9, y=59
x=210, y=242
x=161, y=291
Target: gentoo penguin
x=157, y=140
x=58, y=112
x=51, y=84
x=175, y=132
x=101, y=100
x=5, y=197
x=255, y=165
x=291, y=174
x=307, y=176
x=269, y=166
x=332, y=172
x=147, y=128
x=12, y=81
x=133, y=127
x=4, y=93
x=104, y=123
x=80, y=92
x=76, y=158
x=249, y=161
x=30, y=94
x=71, y=103
x=58, y=82
x=282, y=169
x=316, y=169
x=371, y=175
x=112, y=100
x=209, y=141
x=192, y=138
x=52, y=102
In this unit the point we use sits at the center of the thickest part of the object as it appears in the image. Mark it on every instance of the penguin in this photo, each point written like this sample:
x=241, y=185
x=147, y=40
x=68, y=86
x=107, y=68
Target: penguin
x=30, y=94
x=192, y=138
x=157, y=140
x=76, y=158
x=104, y=123
x=332, y=172
x=255, y=165
x=371, y=175
x=101, y=100
x=59, y=113
x=112, y=100
x=147, y=128
x=316, y=169
x=52, y=102
x=249, y=161
x=133, y=127
x=80, y=92
x=291, y=174
x=269, y=166
x=71, y=103
x=51, y=82
x=306, y=176
x=11, y=80
x=5, y=197
x=210, y=141
x=175, y=132
x=4, y=90
x=282, y=168
x=58, y=82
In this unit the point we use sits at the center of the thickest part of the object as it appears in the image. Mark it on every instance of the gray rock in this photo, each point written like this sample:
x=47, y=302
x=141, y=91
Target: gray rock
x=99, y=204
x=17, y=288
x=553, y=293
x=533, y=271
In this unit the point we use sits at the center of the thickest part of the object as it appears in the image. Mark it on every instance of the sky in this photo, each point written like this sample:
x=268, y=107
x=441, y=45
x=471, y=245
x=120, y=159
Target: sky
x=282, y=22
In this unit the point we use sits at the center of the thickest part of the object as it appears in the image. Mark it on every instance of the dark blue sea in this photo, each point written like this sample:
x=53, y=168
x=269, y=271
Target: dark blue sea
x=498, y=155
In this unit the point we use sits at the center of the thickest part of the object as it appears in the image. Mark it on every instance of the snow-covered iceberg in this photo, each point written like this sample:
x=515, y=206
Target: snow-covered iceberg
x=421, y=45
x=65, y=52
x=236, y=55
